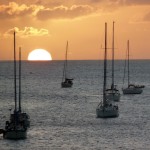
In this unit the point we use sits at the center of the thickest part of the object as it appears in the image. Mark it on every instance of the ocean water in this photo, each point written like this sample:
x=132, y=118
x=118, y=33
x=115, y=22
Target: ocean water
x=65, y=118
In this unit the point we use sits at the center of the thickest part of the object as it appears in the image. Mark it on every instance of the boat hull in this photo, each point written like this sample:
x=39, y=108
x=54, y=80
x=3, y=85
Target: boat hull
x=107, y=112
x=113, y=96
x=22, y=117
x=66, y=85
x=15, y=134
x=132, y=90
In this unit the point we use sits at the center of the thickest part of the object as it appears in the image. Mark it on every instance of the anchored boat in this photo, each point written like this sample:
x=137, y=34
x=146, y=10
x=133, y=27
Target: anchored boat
x=66, y=82
x=106, y=108
x=131, y=88
x=113, y=93
x=16, y=127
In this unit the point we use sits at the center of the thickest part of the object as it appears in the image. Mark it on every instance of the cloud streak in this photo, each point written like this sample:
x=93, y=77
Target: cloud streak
x=136, y=2
x=27, y=32
x=147, y=17
x=14, y=10
x=62, y=9
x=65, y=12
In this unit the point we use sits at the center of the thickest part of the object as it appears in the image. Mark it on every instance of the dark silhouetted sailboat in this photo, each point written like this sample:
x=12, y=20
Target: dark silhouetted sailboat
x=113, y=93
x=16, y=127
x=106, y=108
x=131, y=88
x=66, y=82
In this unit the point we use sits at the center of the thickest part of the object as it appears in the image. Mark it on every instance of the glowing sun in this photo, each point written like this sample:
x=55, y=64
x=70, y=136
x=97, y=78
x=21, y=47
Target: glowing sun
x=39, y=54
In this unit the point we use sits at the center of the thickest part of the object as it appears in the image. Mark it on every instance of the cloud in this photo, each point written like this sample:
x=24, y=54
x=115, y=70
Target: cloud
x=147, y=17
x=61, y=12
x=27, y=32
x=58, y=9
x=136, y=2
x=14, y=10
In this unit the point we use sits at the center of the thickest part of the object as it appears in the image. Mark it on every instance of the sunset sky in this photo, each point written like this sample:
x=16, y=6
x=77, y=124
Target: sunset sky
x=49, y=24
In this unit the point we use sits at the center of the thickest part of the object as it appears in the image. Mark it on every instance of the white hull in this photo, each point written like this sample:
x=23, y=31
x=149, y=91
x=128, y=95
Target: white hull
x=15, y=134
x=107, y=111
x=132, y=90
x=113, y=96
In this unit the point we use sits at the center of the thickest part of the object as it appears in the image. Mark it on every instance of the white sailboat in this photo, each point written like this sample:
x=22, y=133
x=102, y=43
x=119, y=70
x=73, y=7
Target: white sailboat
x=66, y=82
x=16, y=127
x=131, y=88
x=106, y=108
x=113, y=93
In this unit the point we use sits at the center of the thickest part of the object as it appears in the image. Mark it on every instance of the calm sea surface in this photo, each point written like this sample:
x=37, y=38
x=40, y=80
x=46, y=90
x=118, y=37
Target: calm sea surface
x=65, y=119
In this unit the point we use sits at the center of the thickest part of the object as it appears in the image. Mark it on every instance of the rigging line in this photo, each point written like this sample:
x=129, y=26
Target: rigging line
x=105, y=66
x=65, y=64
x=15, y=90
x=125, y=65
x=66, y=70
x=20, y=79
x=128, y=64
x=113, y=35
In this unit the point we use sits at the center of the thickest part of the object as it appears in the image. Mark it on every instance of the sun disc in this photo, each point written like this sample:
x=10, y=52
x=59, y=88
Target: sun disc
x=39, y=55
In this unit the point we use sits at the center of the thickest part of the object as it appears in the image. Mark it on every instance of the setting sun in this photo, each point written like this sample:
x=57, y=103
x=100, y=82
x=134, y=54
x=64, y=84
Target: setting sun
x=39, y=54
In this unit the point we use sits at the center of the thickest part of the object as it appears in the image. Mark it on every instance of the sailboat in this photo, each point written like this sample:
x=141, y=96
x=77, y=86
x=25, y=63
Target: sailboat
x=106, y=108
x=113, y=93
x=131, y=88
x=66, y=82
x=16, y=127
x=24, y=117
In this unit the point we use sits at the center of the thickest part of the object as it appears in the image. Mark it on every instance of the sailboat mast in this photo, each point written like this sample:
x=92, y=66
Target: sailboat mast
x=20, y=79
x=105, y=65
x=113, y=57
x=65, y=63
x=128, y=64
x=15, y=91
x=66, y=60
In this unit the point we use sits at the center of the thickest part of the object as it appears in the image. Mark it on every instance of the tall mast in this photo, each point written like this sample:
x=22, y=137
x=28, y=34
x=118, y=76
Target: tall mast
x=128, y=64
x=20, y=79
x=15, y=92
x=105, y=65
x=65, y=63
x=113, y=57
x=66, y=60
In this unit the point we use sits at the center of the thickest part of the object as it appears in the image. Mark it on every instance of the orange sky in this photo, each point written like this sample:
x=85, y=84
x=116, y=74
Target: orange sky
x=49, y=24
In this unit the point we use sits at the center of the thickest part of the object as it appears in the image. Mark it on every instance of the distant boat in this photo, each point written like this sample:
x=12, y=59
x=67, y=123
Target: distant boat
x=131, y=88
x=66, y=82
x=113, y=93
x=16, y=127
x=138, y=86
x=106, y=108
